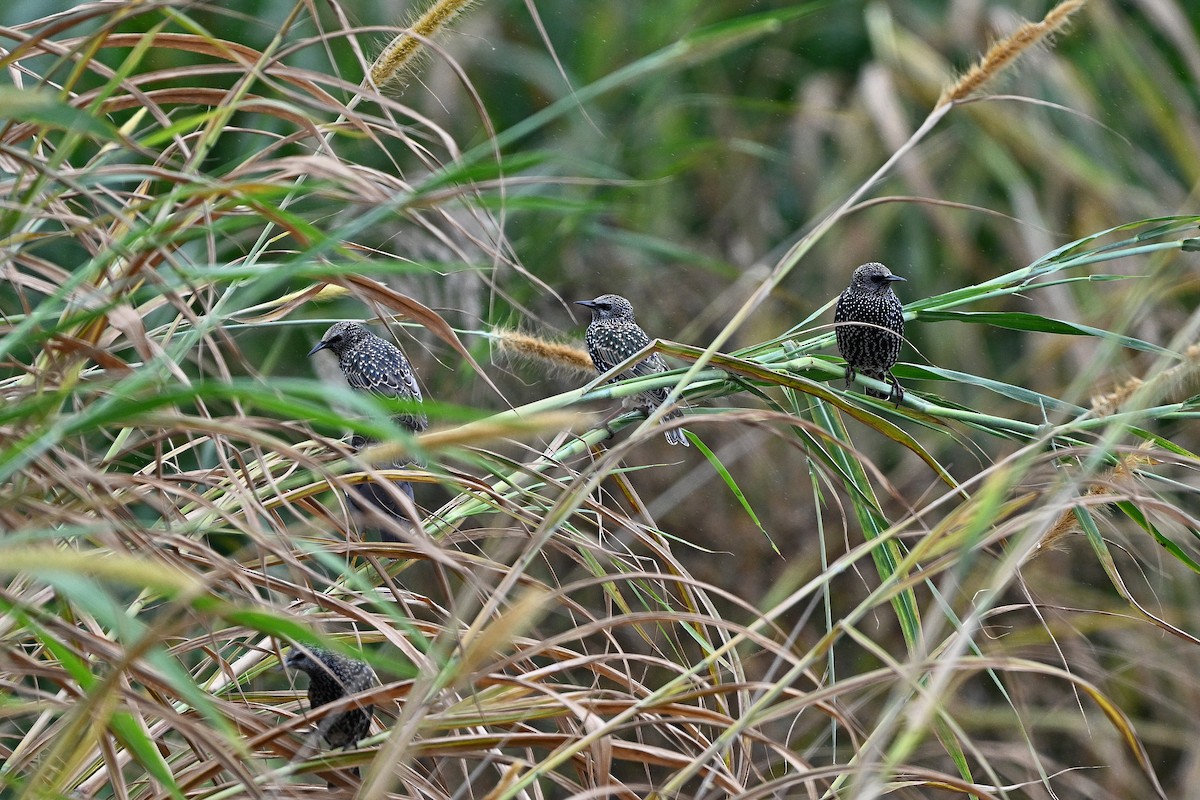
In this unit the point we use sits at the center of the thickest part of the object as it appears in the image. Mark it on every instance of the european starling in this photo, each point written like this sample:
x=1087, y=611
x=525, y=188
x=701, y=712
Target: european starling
x=866, y=307
x=614, y=336
x=375, y=365
x=331, y=677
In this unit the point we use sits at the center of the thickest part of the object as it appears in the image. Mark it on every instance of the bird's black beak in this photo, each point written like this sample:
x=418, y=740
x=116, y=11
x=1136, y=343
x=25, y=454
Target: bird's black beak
x=320, y=346
x=588, y=303
x=889, y=277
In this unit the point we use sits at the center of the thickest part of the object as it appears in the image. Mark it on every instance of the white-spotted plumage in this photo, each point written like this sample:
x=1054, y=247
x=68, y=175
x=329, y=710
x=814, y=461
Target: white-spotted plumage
x=866, y=306
x=375, y=365
x=612, y=337
x=333, y=676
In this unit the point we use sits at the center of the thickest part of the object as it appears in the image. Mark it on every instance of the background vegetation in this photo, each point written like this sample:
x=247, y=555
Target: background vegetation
x=987, y=592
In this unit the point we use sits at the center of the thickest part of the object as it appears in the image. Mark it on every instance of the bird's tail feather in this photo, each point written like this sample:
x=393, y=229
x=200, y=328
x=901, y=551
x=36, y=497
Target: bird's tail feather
x=675, y=435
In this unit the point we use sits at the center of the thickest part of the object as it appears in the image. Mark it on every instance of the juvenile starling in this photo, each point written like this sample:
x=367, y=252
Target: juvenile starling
x=375, y=365
x=331, y=677
x=867, y=349
x=612, y=337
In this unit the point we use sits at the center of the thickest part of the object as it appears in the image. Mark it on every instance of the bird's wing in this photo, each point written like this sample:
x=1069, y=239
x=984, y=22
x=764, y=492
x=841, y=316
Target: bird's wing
x=399, y=384
x=650, y=366
x=608, y=356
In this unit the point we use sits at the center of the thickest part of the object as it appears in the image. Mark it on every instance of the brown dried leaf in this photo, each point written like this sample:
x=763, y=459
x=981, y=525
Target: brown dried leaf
x=372, y=291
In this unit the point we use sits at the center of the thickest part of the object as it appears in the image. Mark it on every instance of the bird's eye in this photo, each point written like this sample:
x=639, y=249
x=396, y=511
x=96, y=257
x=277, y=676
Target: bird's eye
x=605, y=306
x=337, y=337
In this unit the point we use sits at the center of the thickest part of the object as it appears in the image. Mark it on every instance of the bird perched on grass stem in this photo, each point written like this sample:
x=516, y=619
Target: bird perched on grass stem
x=375, y=365
x=870, y=327
x=331, y=677
x=612, y=337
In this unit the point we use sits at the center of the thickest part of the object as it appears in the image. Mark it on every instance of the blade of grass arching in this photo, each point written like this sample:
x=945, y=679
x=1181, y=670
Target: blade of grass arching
x=437, y=186
x=699, y=46
x=1019, y=321
x=255, y=70
x=1161, y=227
x=1152, y=228
x=1068, y=256
x=1018, y=393
x=1165, y=444
x=1100, y=547
x=767, y=376
x=1134, y=513
x=737, y=491
x=871, y=520
x=44, y=108
x=123, y=405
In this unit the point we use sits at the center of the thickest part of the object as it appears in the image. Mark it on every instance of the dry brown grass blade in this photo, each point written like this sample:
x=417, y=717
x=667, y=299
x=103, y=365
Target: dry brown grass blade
x=283, y=306
x=221, y=49
x=373, y=293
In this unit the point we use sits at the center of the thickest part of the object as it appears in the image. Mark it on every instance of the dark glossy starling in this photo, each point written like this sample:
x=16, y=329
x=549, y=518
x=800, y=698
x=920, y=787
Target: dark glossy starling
x=375, y=365
x=612, y=337
x=331, y=677
x=867, y=349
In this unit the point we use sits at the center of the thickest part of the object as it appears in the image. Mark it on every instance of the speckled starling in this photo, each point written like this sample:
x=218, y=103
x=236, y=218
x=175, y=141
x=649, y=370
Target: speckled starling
x=866, y=308
x=612, y=337
x=375, y=365
x=331, y=677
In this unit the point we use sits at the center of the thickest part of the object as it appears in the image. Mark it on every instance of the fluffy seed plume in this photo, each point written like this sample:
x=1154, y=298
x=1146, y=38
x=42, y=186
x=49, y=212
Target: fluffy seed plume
x=1173, y=385
x=1004, y=52
x=400, y=53
x=558, y=354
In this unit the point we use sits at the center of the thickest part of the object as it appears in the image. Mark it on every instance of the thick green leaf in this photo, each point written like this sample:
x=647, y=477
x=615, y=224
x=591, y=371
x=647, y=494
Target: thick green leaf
x=1018, y=321
x=1036, y=399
